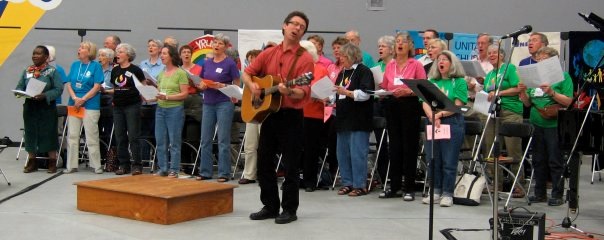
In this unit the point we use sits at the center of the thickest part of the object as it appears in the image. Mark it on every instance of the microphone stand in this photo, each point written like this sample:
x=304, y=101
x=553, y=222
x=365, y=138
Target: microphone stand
x=495, y=105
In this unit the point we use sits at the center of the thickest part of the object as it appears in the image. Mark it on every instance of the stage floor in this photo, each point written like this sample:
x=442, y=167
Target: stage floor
x=49, y=212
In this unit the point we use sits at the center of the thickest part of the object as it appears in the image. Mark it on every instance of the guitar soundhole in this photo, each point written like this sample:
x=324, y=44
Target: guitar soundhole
x=257, y=102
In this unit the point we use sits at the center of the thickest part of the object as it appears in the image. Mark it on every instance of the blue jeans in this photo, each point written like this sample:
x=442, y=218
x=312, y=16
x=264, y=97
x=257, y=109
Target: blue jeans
x=446, y=156
x=126, y=120
x=168, y=134
x=352, y=150
x=216, y=117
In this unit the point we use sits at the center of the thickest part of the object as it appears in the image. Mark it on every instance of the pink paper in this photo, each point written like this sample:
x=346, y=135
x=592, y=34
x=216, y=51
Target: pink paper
x=443, y=132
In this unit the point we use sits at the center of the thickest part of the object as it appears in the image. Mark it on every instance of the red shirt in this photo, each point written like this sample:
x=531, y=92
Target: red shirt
x=275, y=61
x=314, y=108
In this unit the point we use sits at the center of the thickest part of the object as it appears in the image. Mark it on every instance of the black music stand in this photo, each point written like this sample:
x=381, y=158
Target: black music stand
x=430, y=94
x=2, y=147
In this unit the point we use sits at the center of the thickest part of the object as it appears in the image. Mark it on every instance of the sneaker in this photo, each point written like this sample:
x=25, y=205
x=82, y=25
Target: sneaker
x=426, y=200
x=555, y=202
x=446, y=201
x=70, y=170
x=391, y=194
x=408, y=197
x=173, y=175
x=98, y=171
x=137, y=170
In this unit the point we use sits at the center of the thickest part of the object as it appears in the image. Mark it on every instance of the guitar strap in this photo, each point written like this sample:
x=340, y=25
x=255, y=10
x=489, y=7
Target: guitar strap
x=299, y=53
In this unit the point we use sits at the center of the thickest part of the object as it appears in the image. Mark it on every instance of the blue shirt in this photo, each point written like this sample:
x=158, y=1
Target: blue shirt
x=152, y=69
x=107, y=78
x=61, y=72
x=527, y=61
x=82, y=78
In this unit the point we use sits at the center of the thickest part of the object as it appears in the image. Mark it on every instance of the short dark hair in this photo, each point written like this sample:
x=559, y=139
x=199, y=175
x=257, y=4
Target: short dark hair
x=116, y=39
x=183, y=47
x=174, y=56
x=252, y=53
x=340, y=40
x=296, y=14
x=317, y=38
x=44, y=49
x=432, y=31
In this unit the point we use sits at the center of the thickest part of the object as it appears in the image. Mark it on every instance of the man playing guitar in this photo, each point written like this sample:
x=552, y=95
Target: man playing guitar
x=282, y=131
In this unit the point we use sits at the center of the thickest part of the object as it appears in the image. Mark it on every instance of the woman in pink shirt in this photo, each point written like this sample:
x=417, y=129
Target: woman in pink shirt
x=403, y=113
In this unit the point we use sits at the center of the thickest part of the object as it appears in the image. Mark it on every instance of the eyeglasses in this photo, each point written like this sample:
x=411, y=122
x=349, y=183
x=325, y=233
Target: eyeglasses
x=297, y=24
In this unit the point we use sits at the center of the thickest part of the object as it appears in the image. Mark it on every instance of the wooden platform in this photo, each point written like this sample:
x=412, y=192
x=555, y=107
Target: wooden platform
x=155, y=199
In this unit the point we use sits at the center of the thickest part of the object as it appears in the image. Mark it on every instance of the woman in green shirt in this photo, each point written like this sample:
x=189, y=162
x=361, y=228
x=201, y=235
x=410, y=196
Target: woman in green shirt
x=448, y=75
x=546, y=150
x=511, y=107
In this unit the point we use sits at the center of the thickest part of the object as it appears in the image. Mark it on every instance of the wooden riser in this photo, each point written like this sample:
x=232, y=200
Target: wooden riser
x=155, y=199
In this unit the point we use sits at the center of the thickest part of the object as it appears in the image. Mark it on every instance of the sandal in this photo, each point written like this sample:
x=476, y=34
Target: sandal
x=517, y=193
x=201, y=178
x=345, y=190
x=358, y=192
x=223, y=179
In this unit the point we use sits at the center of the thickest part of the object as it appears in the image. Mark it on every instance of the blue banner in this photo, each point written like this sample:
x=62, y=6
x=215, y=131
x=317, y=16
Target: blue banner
x=464, y=45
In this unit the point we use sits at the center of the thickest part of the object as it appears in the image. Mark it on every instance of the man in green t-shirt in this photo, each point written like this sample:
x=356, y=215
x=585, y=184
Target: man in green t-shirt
x=546, y=150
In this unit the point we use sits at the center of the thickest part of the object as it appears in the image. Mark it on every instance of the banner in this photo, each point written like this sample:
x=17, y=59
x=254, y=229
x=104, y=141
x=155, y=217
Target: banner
x=586, y=49
x=17, y=18
x=464, y=45
x=521, y=51
x=255, y=39
x=202, y=46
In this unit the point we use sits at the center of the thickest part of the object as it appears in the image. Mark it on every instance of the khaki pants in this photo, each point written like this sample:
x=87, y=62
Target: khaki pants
x=91, y=128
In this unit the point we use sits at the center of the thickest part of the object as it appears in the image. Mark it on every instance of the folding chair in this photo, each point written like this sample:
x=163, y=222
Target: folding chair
x=595, y=164
x=520, y=130
x=378, y=123
x=148, y=113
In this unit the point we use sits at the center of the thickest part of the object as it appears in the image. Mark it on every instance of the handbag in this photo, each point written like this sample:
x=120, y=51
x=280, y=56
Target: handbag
x=468, y=189
x=550, y=112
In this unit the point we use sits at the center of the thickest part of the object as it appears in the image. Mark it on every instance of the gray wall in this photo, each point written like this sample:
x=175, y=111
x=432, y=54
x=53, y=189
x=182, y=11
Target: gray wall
x=144, y=17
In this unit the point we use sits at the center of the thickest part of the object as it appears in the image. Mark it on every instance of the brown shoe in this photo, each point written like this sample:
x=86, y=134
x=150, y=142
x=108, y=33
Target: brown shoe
x=246, y=181
x=52, y=166
x=31, y=166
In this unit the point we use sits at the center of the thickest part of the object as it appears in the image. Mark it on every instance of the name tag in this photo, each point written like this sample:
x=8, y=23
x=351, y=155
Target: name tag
x=398, y=82
x=128, y=74
x=29, y=75
x=538, y=92
x=219, y=70
x=341, y=96
x=78, y=85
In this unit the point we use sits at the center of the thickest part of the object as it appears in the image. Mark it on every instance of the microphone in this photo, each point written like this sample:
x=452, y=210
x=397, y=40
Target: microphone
x=523, y=30
x=593, y=20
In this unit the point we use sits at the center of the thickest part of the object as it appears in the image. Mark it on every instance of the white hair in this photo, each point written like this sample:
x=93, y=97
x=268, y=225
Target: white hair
x=310, y=47
x=52, y=53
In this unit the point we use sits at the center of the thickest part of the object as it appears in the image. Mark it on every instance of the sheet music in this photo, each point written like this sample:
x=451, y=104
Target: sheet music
x=148, y=76
x=322, y=89
x=442, y=132
x=378, y=76
x=149, y=93
x=382, y=92
x=473, y=69
x=34, y=87
x=233, y=91
x=547, y=71
x=196, y=79
x=481, y=104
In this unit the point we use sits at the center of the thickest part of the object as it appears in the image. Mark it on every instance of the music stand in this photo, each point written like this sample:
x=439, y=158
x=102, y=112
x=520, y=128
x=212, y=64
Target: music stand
x=430, y=94
x=2, y=147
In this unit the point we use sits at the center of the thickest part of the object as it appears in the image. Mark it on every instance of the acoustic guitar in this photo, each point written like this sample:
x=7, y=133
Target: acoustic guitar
x=255, y=109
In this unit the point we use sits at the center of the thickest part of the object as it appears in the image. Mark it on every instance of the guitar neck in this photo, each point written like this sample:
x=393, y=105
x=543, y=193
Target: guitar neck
x=275, y=89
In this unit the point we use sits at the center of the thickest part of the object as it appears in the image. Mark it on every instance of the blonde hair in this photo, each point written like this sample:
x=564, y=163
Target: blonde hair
x=91, y=49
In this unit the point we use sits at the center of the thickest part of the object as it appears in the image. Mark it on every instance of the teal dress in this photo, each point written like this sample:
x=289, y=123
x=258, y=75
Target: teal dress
x=40, y=116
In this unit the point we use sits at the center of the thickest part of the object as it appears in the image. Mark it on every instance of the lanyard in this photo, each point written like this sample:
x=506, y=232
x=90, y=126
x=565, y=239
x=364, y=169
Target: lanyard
x=80, y=78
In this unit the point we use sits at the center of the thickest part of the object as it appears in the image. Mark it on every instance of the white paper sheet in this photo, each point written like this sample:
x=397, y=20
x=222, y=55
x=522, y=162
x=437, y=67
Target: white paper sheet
x=33, y=88
x=481, y=103
x=148, y=76
x=473, y=69
x=322, y=89
x=196, y=79
x=378, y=76
x=233, y=91
x=382, y=92
x=547, y=71
x=149, y=93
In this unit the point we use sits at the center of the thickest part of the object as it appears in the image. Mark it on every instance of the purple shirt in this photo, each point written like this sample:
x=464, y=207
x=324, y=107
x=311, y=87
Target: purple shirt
x=224, y=71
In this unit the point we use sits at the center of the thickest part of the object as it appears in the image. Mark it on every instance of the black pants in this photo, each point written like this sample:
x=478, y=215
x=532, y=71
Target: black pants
x=403, y=119
x=315, y=141
x=281, y=132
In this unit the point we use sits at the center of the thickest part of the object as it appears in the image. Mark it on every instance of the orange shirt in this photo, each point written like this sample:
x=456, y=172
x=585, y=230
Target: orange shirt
x=275, y=61
x=314, y=108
